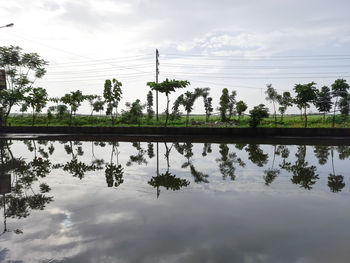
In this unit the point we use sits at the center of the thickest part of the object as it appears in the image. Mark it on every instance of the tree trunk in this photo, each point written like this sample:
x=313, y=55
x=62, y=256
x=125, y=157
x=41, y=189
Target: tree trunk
x=305, y=115
x=33, y=116
x=187, y=118
x=167, y=110
x=335, y=106
x=274, y=113
x=324, y=116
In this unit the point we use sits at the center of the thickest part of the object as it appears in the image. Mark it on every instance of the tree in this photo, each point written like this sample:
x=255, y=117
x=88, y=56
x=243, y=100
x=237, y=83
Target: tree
x=150, y=111
x=98, y=105
x=73, y=100
x=224, y=104
x=187, y=100
x=167, y=87
x=324, y=101
x=37, y=100
x=231, y=104
x=344, y=105
x=339, y=89
x=240, y=108
x=18, y=67
x=204, y=92
x=305, y=94
x=112, y=94
x=285, y=101
x=134, y=113
x=272, y=96
x=257, y=114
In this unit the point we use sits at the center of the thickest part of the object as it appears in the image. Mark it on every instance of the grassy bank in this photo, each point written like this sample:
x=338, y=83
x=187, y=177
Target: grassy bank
x=314, y=121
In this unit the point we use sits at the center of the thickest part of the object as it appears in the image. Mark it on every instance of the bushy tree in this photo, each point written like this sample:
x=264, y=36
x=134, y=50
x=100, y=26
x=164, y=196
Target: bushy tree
x=344, y=105
x=305, y=95
x=73, y=100
x=134, y=113
x=112, y=94
x=231, y=104
x=150, y=111
x=37, y=100
x=240, y=108
x=224, y=104
x=339, y=90
x=257, y=114
x=324, y=101
x=21, y=71
x=167, y=87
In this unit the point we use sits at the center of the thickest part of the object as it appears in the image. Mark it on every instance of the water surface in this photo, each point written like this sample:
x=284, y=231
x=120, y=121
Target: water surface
x=73, y=201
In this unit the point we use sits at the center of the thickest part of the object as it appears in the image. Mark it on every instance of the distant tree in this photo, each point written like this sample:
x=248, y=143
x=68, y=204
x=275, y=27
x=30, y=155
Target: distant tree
x=73, y=100
x=150, y=111
x=224, y=104
x=285, y=101
x=305, y=95
x=188, y=101
x=257, y=114
x=133, y=114
x=204, y=92
x=339, y=89
x=19, y=67
x=167, y=87
x=273, y=97
x=240, y=108
x=232, y=104
x=98, y=105
x=344, y=105
x=37, y=100
x=112, y=94
x=324, y=101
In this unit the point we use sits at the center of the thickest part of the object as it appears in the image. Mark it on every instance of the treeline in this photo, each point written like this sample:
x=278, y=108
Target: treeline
x=21, y=92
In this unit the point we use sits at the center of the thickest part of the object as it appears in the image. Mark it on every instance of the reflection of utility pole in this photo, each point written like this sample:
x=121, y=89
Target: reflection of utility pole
x=158, y=190
x=157, y=73
x=5, y=188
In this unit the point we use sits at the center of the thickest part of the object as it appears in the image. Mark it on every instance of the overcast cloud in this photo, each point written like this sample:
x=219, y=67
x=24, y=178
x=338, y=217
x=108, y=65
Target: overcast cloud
x=89, y=41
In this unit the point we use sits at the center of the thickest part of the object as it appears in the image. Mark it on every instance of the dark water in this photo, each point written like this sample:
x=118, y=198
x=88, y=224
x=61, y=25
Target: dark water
x=114, y=202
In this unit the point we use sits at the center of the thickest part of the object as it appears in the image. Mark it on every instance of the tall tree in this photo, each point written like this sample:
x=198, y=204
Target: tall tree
x=339, y=89
x=305, y=95
x=18, y=67
x=344, y=105
x=208, y=107
x=273, y=97
x=257, y=114
x=167, y=87
x=112, y=94
x=224, y=103
x=285, y=101
x=231, y=104
x=324, y=101
x=150, y=111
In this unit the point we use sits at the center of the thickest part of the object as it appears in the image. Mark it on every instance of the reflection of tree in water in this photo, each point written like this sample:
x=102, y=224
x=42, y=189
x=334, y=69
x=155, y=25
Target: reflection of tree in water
x=344, y=152
x=272, y=173
x=24, y=192
x=185, y=149
x=256, y=155
x=114, y=172
x=95, y=161
x=335, y=182
x=139, y=158
x=76, y=167
x=206, y=149
x=32, y=147
x=303, y=174
x=227, y=162
x=167, y=180
x=321, y=153
x=150, y=150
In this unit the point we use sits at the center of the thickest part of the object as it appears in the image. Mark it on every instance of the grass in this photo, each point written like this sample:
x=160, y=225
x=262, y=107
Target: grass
x=289, y=121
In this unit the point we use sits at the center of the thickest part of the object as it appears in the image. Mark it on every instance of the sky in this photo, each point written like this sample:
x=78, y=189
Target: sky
x=234, y=44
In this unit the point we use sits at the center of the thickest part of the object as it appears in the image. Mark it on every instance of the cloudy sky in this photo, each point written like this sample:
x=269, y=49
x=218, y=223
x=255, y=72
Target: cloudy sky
x=234, y=44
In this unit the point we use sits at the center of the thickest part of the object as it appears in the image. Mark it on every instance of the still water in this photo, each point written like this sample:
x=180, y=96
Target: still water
x=76, y=201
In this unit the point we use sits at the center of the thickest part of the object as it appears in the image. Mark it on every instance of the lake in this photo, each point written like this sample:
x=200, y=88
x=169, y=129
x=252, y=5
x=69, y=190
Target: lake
x=83, y=201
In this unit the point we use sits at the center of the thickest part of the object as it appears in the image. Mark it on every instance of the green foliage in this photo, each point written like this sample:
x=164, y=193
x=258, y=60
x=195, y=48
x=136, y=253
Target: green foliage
x=18, y=67
x=344, y=105
x=285, y=101
x=273, y=97
x=257, y=114
x=241, y=107
x=167, y=87
x=112, y=94
x=37, y=100
x=305, y=95
x=339, y=89
x=134, y=113
x=150, y=111
x=324, y=100
x=231, y=104
x=73, y=100
x=224, y=104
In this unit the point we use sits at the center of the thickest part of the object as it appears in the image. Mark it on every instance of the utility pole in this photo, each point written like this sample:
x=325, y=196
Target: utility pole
x=157, y=73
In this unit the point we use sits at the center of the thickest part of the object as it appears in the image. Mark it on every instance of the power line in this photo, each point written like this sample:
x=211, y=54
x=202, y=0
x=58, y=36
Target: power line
x=259, y=56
